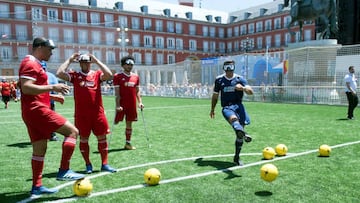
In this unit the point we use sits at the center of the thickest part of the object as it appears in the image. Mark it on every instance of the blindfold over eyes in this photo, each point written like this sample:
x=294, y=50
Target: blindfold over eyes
x=229, y=67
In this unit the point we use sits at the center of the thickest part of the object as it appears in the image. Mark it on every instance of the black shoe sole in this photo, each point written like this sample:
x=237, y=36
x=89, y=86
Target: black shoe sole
x=242, y=135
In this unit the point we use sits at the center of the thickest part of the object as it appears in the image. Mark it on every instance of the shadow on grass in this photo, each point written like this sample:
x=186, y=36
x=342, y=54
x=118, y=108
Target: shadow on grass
x=20, y=145
x=263, y=193
x=219, y=165
x=26, y=197
x=14, y=196
x=344, y=119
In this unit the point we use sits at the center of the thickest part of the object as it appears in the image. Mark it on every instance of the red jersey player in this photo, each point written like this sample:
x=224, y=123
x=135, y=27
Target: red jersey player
x=40, y=120
x=126, y=93
x=5, y=89
x=89, y=110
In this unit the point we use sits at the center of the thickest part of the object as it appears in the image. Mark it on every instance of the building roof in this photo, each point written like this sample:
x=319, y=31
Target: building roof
x=154, y=7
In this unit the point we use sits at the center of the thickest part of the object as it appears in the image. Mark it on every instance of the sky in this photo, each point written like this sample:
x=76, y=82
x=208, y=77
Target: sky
x=223, y=5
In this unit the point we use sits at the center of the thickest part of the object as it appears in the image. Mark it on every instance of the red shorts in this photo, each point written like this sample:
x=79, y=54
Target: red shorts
x=96, y=123
x=41, y=122
x=130, y=114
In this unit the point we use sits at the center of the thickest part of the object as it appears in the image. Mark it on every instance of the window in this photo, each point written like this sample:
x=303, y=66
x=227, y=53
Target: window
x=221, y=47
x=135, y=40
x=21, y=32
x=268, y=25
x=148, y=41
x=170, y=26
x=4, y=11
x=68, y=35
x=68, y=53
x=259, y=26
x=159, y=42
x=221, y=32
x=38, y=31
x=109, y=20
x=82, y=18
x=159, y=59
x=137, y=57
x=297, y=36
x=147, y=24
x=110, y=57
x=36, y=13
x=236, y=31
x=179, y=44
x=178, y=27
x=236, y=46
x=159, y=25
x=212, y=47
x=259, y=42
x=67, y=16
x=277, y=40
x=229, y=32
x=251, y=28
x=54, y=33
x=192, y=29
x=170, y=43
x=277, y=23
x=171, y=58
x=110, y=38
x=97, y=54
x=212, y=32
x=287, y=38
x=55, y=57
x=123, y=22
x=96, y=37
x=205, y=46
x=192, y=45
x=307, y=35
x=52, y=15
x=6, y=53
x=205, y=30
x=22, y=52
x=268, y=41
x=82, y=36
x=20, y=12
x=95, y=18
x=135, y=23
x=148, y=59
x=287, y=21
x=229, y=47
x=243, y=30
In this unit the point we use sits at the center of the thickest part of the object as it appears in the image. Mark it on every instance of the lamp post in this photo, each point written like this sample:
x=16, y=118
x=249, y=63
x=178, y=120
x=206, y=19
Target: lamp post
x=122, y=39
x=247, y=45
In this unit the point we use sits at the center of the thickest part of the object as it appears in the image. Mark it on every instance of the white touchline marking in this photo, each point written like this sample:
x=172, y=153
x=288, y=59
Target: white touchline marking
x=133, y=187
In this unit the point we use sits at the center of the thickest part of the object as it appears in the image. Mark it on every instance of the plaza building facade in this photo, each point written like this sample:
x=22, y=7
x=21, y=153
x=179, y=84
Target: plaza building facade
x=154, y=33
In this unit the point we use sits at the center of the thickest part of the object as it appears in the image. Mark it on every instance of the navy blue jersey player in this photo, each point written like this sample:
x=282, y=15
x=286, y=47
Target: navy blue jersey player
x=231, y=88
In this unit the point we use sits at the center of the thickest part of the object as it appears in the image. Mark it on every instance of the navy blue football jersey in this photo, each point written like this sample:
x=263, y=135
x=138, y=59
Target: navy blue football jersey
x=226, y=87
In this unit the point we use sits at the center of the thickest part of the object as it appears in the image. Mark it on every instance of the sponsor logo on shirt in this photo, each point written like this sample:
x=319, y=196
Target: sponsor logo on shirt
x=129, y=84
x=229, y=89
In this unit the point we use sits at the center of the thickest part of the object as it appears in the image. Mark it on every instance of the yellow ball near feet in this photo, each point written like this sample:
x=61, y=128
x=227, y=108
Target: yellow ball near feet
x=269, y=172
x=152, y=176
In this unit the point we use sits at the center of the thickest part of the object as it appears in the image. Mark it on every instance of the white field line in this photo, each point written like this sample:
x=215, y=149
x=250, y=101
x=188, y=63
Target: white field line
x=133, y=187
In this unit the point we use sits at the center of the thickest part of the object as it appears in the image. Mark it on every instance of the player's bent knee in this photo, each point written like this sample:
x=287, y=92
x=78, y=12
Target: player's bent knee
x=233, y=119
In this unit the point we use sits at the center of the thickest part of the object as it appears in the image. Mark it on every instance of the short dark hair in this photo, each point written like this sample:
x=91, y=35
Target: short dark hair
x=125, y=59
x=42, y=41
x=229, y=62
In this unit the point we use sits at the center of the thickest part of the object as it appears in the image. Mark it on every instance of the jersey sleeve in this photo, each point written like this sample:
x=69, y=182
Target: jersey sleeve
x=217, y=85
x=115, y=79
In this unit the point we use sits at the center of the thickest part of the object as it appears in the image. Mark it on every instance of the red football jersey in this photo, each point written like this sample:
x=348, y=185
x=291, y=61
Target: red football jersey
x=5, y=88
x=31, y=68
x=127, y=87
x=87, y=92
